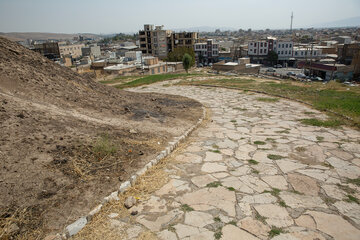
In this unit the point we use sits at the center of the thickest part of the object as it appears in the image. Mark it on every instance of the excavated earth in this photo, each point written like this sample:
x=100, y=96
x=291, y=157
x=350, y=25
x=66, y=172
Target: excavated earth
x=66, y=141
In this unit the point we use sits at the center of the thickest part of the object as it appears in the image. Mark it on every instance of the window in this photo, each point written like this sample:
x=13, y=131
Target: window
x=265, y=44
x=290, y=45
x=290, y=52
x=254, y=44
x=279, y=46
x=282, y=52
x=251, y=44
x=265, y=51
x=163, y=68
x=302, y=53
x=158, y=69
x=260, y=50
x=278, y=52
x=286, y=45
x=152, y=71
x=283, y=45
x=261, y=44
x=314, y=53
x=254, y=50
x=285, y=52
x=296, y=53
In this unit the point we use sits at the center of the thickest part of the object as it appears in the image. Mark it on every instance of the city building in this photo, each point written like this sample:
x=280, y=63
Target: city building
x=346, y=52
x=73, y=50
x=258, y=48
x=48, y=49
x=152, y=66
x=134, y=56
x=284, y=49
x=92, y=50
x=155, y=41
x=206, y=52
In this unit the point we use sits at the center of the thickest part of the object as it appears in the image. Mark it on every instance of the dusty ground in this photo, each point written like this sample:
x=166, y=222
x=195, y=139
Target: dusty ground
x=66, y=141
x=253, y=171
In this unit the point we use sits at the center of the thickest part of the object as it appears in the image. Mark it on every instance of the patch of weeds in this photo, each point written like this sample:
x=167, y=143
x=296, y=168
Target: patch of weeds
x=274, y=191
x=329, y=200
x=217, y=219
x=321, y=123
x=240, y=109
x=215, y=151
x=144, y=87
x=346, y=189
x=214, y=184
x=319, y=138
x=260, y=218
x=300, y=149
x=259, y=143
x=215, y=146
x=266, y=99
x=253, y=162
x=255, y=171
x=282, y=204
x=186, y=208
x=296, y=192
x=233, y=121
x=274, y=157
x=270, y=140
x=218, y=235
x=171, y=228
x=232, y=222
x=275, y=231
x=231, y=189
x=351, y=198
x=309, y=113
x=104, y=146
x=355, y=181
x=283, y=131
x=166, y=85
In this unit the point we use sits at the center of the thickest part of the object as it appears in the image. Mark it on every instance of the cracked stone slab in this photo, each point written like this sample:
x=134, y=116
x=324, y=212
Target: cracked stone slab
x=275, y=215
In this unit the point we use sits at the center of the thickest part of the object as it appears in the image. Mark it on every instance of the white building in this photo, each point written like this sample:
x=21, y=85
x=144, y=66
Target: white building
x=207, y=51
x=302, y=52
x=134, y=56
x=258, y=48
x=284, y=49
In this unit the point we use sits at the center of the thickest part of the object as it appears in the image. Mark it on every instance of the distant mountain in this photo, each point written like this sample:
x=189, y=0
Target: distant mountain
x=348, y=22
x=203, y=29
x=22, y=36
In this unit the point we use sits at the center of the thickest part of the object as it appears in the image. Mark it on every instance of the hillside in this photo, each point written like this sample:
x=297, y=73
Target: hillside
x=67, y=141
x=22, y=36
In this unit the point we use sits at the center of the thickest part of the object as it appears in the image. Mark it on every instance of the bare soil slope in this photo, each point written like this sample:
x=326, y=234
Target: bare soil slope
x=67, y=141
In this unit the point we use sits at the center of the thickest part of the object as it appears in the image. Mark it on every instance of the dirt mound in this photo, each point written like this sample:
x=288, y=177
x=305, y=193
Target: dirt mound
x=67, y=141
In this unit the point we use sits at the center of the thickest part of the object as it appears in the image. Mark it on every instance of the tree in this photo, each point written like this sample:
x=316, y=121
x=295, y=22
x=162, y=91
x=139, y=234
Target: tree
x=187, y=59
x=178, y=54
x=272, y=57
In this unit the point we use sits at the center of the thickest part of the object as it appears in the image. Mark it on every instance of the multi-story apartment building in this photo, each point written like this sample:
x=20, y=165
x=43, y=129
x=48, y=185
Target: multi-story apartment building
x=92, y=50
x=258, y=48
x=48, y=49
x=183, y=39
x=73, y=50
x=154, y=41
x=306, y=52
x=206, y=52
x=284, y=49
x=157, y=41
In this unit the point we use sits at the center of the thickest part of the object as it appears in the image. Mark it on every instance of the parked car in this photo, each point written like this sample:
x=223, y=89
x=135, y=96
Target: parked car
x=290, y=74
x=301, y=75
x=270, y=70
x=278, y=66
x=200, y=65
x=210, y=64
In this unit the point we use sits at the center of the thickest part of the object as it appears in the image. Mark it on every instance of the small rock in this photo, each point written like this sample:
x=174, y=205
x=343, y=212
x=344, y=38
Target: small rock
x=134, y=212
x=133, y=131
x=12, y=229
x=129, y=202
x=113, y=215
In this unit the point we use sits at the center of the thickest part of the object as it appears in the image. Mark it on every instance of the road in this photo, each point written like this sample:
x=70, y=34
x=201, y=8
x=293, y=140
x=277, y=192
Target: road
x=253, y=171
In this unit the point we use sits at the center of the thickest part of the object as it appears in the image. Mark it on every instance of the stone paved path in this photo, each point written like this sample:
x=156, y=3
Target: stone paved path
x=255, y=168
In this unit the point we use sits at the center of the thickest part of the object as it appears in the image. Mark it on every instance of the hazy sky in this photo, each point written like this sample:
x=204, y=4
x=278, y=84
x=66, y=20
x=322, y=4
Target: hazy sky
x=110, y=16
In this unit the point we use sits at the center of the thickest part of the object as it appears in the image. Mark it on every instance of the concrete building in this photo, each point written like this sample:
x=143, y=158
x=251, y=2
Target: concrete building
x=155, y=41
x=284, y=49
x=206, y=52
x=152, y=66
x=73, y=50
x=158, y=42
x=92, y=50
x=343, y=39
x=258, y=48
x=48, y=49
x=346, y=52
x=134, y=56
x=306, y=52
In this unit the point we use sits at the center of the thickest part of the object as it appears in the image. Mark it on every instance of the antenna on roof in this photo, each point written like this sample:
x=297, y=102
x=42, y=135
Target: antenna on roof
x=292, y=16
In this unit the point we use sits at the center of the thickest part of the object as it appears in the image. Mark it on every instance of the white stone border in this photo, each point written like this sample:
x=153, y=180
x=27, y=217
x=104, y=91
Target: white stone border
x=75, y=227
